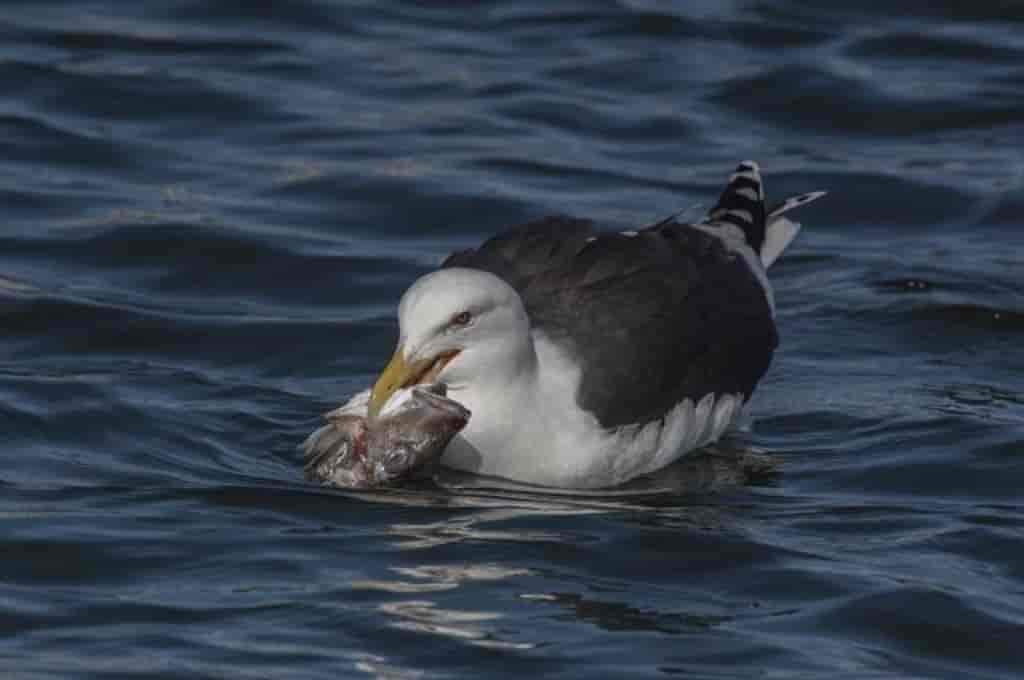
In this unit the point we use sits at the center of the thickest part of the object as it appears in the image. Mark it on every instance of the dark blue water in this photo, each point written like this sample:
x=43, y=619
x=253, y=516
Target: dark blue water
x=210, y=210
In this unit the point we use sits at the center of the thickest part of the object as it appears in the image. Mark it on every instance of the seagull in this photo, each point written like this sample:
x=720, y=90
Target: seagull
x=589, y=357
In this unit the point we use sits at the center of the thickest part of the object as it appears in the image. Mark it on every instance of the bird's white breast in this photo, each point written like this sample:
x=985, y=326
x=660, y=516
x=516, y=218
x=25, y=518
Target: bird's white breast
x=535, y=432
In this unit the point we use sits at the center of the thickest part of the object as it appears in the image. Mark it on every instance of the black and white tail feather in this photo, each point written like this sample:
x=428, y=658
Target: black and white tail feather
x=742, y=206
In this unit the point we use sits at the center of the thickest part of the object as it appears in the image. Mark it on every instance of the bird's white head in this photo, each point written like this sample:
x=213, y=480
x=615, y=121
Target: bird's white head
x=461, y=327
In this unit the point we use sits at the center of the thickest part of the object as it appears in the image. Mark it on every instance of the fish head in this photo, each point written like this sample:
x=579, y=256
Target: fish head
x=414, y=433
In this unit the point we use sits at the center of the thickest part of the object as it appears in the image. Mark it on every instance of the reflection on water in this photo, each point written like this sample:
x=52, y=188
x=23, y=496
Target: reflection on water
x=660, y=498
x=559, y=531
x=437, y=577
x=475, y=627
x=473, y=527
x=620, y=617
x=378, y=667
x=480, y=628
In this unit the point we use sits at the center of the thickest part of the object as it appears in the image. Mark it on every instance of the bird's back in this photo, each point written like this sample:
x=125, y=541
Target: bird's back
x=653, y=316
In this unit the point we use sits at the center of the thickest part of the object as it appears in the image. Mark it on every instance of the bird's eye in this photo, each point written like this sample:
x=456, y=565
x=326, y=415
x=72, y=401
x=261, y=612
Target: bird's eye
x=461, y=319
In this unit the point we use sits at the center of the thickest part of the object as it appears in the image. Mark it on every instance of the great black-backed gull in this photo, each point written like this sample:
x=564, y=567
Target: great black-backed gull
x=589, y=357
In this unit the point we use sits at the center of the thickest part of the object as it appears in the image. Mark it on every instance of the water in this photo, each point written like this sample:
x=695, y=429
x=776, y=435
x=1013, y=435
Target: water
x=210, y=210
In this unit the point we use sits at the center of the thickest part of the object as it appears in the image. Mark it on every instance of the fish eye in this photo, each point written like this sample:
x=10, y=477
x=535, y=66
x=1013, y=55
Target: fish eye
x=461, y=319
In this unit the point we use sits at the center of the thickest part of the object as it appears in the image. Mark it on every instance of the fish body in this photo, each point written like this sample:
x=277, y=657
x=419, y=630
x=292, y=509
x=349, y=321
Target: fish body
x=408, y=435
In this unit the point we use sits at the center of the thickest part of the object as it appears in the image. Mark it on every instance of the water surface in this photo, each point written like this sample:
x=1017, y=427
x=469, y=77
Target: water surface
x=211, y=209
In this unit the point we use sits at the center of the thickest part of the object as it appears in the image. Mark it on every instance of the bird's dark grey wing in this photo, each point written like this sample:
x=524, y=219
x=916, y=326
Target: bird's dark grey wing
x=653, y=318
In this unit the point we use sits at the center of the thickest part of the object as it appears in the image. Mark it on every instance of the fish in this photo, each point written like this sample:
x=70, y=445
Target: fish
x=405, y=440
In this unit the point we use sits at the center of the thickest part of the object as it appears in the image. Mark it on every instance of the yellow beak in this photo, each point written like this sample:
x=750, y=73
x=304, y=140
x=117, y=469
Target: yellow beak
x=395, y=374
x=399, y=373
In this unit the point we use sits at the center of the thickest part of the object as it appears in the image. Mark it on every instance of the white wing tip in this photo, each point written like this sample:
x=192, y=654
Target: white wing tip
x=780, y=231
x=778, y=235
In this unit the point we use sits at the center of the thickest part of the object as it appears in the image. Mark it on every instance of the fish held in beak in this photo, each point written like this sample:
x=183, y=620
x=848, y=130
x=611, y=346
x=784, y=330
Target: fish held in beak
x=401, y=373
x=405, y=439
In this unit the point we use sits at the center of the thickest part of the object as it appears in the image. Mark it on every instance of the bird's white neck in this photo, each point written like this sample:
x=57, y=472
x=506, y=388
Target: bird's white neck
x=521, y=414
x=496, y=402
